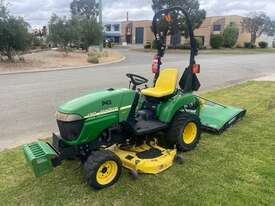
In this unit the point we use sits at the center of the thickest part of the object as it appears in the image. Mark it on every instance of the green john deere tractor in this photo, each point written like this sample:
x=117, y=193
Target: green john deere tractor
x=122, y=127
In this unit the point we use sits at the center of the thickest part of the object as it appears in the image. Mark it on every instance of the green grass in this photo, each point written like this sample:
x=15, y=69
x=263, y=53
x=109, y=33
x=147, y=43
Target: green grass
x=236, y=168
x=236, y=51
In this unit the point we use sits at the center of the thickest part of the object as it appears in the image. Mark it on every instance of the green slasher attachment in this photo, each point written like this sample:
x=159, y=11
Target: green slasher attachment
x=217, y=118
x=39, y=155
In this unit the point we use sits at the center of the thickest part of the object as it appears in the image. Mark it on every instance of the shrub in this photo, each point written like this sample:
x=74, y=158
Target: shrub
x=249, y=45
x=147, y=45
x=273, y=44
x=44, y=46
x=186, y=46
x=199, y=42
x=92, y=53
x=154, y=44
x=93, y=59
x=170, y=47
x=263, y=44
x=216, y=41
x=36, y=41
x=181, y=46
x=231, y=35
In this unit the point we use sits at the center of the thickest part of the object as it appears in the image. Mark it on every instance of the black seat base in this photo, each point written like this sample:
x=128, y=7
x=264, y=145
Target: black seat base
x=148, y=127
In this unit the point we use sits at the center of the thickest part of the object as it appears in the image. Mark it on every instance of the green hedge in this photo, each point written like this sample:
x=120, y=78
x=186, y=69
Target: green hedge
x=263, y=44
x=216, y=41
x=249, y=45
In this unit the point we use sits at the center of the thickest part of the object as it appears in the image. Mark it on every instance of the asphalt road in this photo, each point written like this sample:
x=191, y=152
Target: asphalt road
x=28, y=101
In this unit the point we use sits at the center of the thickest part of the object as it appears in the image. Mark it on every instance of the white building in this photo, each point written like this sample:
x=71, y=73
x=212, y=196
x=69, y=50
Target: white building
x=112, y=30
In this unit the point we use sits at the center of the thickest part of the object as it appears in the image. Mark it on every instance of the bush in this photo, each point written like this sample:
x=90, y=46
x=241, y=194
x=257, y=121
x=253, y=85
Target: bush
x=93, y=59
x=36, y=41
x=154, y=44
x=216, y=41
x=199, y=42
x=249, y=45
x=231, y=35
x=170, y=47
x=263, y=44
x=273, y=44
x=185, y=46
x=147, y=45
x=101, y=54
x=180, y=46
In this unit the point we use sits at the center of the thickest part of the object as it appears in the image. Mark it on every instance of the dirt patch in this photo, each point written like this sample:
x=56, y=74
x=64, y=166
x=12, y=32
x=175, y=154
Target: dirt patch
x=54, y=59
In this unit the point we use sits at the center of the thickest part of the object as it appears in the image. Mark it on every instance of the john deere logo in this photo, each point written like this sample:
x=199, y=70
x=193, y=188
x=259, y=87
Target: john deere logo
x=107, y=102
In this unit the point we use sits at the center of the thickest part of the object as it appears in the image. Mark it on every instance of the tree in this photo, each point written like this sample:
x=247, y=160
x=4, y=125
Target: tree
x=191, y=6
x=91, y=33
x=257, y=24
x=14, y=35
x=62, y=32
x=84, y=14
x=3, y=9
x=86, y=8
x=231, y=35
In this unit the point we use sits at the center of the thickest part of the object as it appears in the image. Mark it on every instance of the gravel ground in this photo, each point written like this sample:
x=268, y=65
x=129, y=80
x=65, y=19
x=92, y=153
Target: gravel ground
x=54, y=59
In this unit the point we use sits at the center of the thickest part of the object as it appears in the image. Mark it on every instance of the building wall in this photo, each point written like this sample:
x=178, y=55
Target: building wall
x=146, y=24
x=207, y=28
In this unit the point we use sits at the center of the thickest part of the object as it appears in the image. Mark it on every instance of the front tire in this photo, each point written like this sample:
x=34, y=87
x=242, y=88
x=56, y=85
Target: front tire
x=184, y=132
x=102, y=169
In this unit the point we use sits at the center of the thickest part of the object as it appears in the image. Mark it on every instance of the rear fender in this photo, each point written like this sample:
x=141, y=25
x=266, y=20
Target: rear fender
x=167, y=110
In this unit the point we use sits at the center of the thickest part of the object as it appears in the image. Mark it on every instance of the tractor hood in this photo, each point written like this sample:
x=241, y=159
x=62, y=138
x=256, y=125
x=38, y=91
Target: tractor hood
x=97, y=102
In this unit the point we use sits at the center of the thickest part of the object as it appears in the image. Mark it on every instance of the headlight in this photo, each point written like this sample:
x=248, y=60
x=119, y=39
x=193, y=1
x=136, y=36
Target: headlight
x=70, y=125
x=67, y=117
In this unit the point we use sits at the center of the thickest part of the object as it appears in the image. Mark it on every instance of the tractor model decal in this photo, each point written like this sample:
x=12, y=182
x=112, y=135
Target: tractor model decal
x=107, y=111
x=102, y=112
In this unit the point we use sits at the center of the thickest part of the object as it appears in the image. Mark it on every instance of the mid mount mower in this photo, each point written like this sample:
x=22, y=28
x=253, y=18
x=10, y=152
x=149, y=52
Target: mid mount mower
x=122, y=127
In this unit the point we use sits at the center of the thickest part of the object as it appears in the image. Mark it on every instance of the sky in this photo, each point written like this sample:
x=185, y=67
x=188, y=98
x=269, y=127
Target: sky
x=37, y=12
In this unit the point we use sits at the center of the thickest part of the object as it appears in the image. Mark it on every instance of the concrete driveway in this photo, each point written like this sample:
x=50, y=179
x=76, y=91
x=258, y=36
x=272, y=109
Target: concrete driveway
x=28, y=101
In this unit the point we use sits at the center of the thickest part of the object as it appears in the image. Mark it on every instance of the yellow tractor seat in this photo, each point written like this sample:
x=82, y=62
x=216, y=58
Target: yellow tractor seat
x=166, y=84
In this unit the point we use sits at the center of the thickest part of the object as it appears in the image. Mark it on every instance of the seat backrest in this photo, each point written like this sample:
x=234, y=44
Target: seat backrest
x=167, y=80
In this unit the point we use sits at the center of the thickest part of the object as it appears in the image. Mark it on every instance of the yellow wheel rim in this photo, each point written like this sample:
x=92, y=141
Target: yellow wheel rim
x=107, y=172
x=189, y=133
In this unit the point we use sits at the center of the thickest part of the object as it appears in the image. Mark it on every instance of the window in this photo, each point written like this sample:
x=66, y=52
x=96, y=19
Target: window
x=217, y=27
x=116, y=27
x=108, y=27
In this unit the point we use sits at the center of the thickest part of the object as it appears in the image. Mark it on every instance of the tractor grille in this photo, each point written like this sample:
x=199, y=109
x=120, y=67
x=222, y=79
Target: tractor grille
x=70, y=130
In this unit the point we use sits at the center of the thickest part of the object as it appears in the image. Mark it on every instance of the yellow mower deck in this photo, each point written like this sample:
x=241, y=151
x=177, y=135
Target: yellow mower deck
x=149, y=159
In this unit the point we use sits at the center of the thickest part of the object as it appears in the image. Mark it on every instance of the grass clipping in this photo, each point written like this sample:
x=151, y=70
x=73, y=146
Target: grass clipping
x=236, y=168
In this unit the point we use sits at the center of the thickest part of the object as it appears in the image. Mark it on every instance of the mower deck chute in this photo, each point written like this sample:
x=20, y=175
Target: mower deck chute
x=217, y=118
x=149, y=159
x=39, y=155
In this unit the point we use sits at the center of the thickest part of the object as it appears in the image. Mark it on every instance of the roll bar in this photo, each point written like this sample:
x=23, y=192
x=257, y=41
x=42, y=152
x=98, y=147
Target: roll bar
x=189, y=81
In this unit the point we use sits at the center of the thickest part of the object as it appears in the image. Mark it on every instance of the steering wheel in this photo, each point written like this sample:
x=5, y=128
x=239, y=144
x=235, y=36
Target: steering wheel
x=137, y=80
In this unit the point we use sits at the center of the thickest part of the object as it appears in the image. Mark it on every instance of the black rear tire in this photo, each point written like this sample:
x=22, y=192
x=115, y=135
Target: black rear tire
x=102, y=169
x=184, y=132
